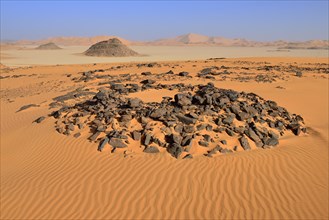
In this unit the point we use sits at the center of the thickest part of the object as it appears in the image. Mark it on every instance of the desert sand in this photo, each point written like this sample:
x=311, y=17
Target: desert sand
x=27, y=56
x=47, y=175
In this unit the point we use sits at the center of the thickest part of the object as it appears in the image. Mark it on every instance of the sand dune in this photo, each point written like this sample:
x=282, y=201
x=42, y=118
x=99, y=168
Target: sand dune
x=46, y=175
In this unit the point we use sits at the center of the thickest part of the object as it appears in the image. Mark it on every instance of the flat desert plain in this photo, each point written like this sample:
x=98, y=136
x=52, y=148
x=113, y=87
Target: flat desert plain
x=27, y=55
x=48, y=175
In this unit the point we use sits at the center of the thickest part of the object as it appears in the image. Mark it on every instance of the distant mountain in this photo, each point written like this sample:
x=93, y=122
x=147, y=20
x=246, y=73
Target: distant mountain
x=72, y=41
x=197, y=39
x=186, y=39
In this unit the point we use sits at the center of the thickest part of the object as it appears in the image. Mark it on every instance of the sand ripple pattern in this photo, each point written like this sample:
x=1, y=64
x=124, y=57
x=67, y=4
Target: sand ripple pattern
x=67, y=178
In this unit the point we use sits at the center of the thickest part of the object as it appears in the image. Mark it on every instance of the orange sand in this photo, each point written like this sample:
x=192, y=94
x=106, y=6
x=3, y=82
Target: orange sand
x=46, y=175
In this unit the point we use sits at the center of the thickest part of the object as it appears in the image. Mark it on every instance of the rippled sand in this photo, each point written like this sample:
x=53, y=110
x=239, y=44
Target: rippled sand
x=46, y=175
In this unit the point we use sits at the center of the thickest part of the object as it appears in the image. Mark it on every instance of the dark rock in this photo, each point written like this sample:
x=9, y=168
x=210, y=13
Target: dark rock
x=183, y=99
x=183, y=74
x=103, y=143
x=176, y=139
x=244, y=143
x=175, y=150
x=201, y=127
x=226, y=151
x=24, y=107
x=94, y=136
x=253, y=136
x=134, y=102
x=299, y=74
x=295, y=128
x=77, y=135
x=186, y=120
x=241, y=116
x=188, y=156
x=147, y=139
x=148, y=81
x=206, y=137
x=229, y=119
x=70, y=127
x=203, y=143
x=39, y=120
x=229, y=132
x=189, y=128
x=157, y=113
x=151, y=149
x=146, y=73
x=117, y=143
x=136, y=135
x=179, y=128
x=224, y=142
x=272, y=141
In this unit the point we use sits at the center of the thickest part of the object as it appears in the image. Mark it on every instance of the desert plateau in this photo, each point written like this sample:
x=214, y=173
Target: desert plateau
x=108, y=111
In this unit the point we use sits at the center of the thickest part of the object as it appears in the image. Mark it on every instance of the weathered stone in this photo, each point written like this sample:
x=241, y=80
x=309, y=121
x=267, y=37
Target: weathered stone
x=179, y=128
x=148, y=81
x=188, y=156
x=151, y=149
x=206, y=137
x=117, y=143
x=229, y=119
x=134, y=102
x=39, y=120
x=103, y=143
x=175, y=150
x=183, y=74
x=229, y=132
x=244, y=143
x=272, y=141
x=295, y=128
x=136, y=135
x=147, y=139
x=226, y=151
x=176, y=139
x=157, y=113
x=146, y=73
x=70, y=127
x=241, y=116
x=253, y=136
x=203, y=143
x=224, y=142
x=183, y=99
x=76, y=135
x=189, y=128
x=186, y=120
x=201, y=127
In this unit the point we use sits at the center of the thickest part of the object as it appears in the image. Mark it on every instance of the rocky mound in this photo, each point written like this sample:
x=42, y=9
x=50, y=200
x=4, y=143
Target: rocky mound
x=110, y=48
x=48, y=46
x=203, y=118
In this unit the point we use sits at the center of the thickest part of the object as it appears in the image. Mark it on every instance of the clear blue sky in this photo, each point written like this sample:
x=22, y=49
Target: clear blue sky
x=145, y=20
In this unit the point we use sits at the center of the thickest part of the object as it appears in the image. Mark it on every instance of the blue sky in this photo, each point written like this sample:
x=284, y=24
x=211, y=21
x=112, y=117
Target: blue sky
x=146, y=20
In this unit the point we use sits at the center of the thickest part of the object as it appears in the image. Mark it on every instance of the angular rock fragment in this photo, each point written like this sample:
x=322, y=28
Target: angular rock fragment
x=244, y=143
x=151, y=149
x=103, y=143
x=117, y=143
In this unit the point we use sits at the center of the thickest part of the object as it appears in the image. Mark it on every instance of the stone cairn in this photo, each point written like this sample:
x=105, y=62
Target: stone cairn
x=245, y=117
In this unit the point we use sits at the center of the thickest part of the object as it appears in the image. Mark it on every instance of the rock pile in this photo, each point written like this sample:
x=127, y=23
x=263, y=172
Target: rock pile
x=197, y=118
x=110, y=48
x=48, y=46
